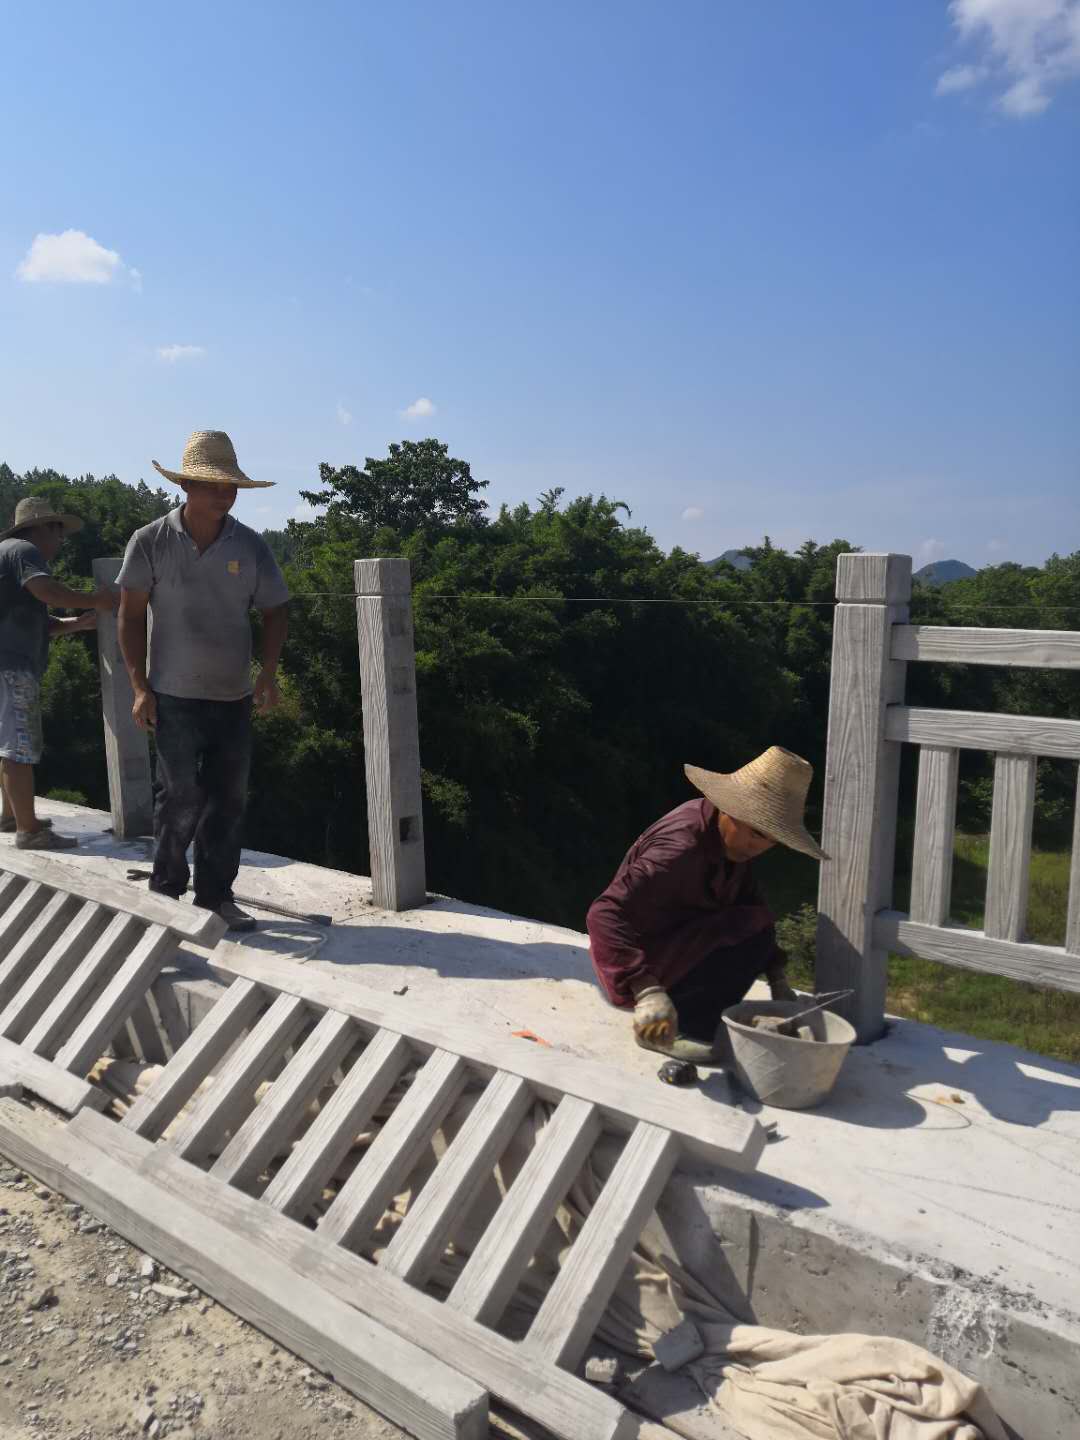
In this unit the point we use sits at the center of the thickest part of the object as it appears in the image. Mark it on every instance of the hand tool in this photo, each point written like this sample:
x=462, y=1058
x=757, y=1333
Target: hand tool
x=789, y=1024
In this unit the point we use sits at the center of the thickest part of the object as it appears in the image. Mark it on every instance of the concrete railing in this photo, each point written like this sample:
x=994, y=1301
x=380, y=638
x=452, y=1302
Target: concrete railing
x=127, y=749
x=868, y=723
x=391, y=734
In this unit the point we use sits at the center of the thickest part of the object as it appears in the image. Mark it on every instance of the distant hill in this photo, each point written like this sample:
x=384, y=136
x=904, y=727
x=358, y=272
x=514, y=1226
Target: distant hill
x=943, y=572
x=733, y=557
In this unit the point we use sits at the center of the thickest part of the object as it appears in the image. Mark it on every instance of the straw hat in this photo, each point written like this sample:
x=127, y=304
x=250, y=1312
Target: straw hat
x=769, y=794
x=209, y=456
x=36, y=511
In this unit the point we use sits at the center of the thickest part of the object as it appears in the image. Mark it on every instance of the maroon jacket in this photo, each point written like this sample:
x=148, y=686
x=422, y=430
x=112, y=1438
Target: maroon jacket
x=675, y=899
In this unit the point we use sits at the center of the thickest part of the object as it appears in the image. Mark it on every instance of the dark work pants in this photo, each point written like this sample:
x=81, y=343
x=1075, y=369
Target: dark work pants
x=200, y=790
x=722, y=979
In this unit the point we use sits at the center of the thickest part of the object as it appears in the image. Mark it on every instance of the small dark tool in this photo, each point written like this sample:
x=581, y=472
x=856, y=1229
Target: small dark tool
x=283, y=910
x=678, y=1072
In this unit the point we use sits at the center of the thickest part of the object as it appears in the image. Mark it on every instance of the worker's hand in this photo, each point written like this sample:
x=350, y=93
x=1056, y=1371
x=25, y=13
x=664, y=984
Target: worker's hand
x=86, y=621
x=780, y=986
x=106, y=597
x=655, y=1017
x=267, y=694
x=144, y=711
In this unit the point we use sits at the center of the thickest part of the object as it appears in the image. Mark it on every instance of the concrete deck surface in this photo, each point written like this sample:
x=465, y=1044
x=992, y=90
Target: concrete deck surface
x=951, y=1161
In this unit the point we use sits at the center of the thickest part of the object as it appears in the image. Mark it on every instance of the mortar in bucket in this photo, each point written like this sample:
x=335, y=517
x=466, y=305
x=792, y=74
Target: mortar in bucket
x=783, y=1070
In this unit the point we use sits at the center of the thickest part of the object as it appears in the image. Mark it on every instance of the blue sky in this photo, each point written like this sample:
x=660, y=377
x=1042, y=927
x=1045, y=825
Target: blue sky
x=808, y=270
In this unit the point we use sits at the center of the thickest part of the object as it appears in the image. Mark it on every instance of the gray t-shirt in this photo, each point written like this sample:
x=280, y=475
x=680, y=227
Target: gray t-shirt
x=200, y=647
x=24, y=621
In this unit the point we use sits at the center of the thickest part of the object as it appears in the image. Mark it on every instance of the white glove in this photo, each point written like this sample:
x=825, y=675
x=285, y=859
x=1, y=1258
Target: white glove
x=655, y=1017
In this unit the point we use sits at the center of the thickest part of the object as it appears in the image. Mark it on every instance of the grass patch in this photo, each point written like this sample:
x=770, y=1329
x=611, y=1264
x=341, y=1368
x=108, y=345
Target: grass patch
x=989, y=1007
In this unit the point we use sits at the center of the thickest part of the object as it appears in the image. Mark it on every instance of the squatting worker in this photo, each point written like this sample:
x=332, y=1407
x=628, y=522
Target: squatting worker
x=27, y=589
x=683, y=931
x=201, y=573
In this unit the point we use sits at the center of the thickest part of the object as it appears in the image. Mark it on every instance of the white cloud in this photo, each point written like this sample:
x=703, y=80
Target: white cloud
x=343, y=415
x=995, y=546
x=172, y=353
x=419, y=409
x=929, y=551
x=693, y=512
x=1032, y=47
x=960, y=77
x=1025, y=97
x=73, y=258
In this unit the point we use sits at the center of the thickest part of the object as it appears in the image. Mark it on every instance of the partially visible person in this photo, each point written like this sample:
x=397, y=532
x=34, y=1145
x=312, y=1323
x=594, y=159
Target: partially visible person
x=27, y=589
x=200, y=573
x=683, y=930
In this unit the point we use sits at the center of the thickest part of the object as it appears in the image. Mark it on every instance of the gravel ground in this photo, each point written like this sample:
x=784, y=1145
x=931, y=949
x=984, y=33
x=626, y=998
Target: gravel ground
x=98, y=1341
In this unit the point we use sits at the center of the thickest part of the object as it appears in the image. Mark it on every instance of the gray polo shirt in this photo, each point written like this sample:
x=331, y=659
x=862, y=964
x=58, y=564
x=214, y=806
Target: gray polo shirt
x=24, y=620
x=201, y=605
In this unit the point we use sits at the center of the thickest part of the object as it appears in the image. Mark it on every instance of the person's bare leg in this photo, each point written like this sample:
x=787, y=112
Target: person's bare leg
x=19, y=795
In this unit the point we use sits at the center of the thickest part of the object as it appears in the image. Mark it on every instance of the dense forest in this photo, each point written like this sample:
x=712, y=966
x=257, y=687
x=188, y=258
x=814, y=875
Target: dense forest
x=567, y=667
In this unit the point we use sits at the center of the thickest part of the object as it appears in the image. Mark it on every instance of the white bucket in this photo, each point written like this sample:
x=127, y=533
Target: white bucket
x=779, y=1069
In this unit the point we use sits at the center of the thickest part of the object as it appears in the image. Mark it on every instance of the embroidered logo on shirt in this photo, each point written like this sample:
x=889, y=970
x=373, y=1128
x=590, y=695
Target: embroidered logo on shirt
x=233, y=567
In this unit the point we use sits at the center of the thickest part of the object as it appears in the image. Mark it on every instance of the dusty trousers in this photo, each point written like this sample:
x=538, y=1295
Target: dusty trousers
x=203, y=750
x=722, y=979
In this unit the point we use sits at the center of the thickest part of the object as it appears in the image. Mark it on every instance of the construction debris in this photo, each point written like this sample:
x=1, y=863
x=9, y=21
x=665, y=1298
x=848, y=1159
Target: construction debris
x=602, y=1371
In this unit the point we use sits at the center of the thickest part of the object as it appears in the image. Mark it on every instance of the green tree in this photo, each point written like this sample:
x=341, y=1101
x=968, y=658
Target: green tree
x=553, y=722
x=418, y=485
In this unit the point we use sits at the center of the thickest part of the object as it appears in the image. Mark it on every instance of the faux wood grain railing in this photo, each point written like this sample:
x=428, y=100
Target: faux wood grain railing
x=868, y=723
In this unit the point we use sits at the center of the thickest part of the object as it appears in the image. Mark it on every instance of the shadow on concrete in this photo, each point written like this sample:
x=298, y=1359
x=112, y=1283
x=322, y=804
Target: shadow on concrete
x=263, y=860
x=452, y=955
x=873, y=1090
x=858, y=1101
x=1012, y=1085
x=769, y=1189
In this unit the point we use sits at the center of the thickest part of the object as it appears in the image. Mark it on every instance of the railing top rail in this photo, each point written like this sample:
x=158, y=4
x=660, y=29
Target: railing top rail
x=971, y=645
x=204, y=927
x=973, y=950
x=980, y=730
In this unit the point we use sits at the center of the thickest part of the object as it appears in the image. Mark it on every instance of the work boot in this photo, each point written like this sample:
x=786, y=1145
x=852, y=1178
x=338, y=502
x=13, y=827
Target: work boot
x=43, y=839
x=8, y=825
x=697, y=1052
x=234, y=917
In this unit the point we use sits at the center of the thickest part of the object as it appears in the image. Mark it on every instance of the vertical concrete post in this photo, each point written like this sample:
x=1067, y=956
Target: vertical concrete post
x=127, y=749
x=862, y=774
x=391, y=734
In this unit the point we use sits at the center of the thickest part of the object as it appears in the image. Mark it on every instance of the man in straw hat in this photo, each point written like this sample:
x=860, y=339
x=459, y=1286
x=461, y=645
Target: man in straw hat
x=27, y=589
x=201, y=573
x=683, y=931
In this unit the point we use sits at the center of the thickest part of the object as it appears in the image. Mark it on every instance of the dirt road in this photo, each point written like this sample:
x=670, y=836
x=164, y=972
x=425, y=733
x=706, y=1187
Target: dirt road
x=98, y=1342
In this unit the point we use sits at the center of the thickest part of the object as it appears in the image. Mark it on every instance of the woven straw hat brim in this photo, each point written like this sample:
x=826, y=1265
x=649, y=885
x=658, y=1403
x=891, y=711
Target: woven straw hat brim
x=71, y=523
x=211, y=475
x=748, y=804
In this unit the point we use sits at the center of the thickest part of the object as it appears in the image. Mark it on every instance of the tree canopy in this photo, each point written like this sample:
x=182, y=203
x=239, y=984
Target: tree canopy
x=419, y=486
